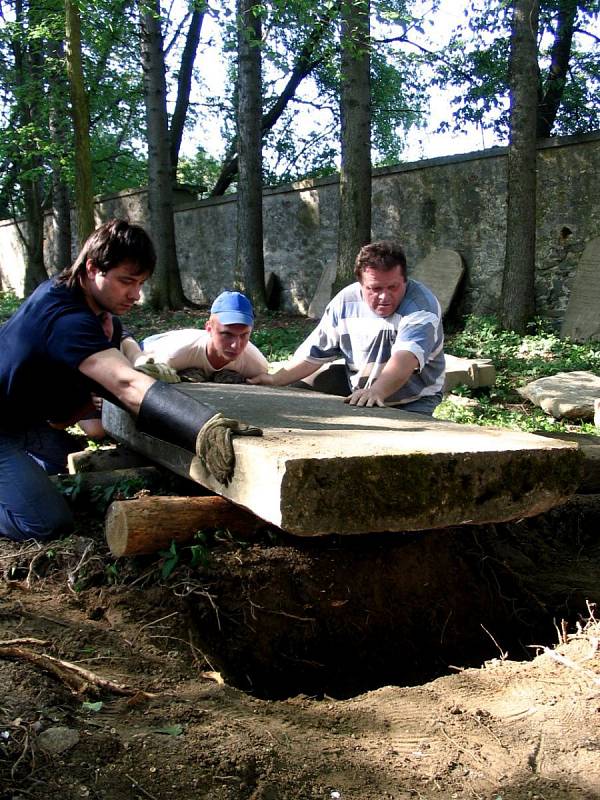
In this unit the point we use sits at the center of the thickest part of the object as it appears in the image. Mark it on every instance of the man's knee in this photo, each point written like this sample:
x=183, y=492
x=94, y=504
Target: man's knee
x=48, y=523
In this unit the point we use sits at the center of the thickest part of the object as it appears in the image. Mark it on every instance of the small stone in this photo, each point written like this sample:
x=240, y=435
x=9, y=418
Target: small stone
x=57, y=740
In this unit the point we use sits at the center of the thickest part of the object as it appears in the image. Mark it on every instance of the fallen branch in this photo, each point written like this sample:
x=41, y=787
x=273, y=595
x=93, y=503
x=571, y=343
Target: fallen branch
x=78, y=679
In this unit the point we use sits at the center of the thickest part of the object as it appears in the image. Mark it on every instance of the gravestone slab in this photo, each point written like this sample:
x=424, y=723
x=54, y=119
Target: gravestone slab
x=590, y=449
x=441, y=271
x=582, y=317
x=568, y=395
x=325, y=467
x=322, y=295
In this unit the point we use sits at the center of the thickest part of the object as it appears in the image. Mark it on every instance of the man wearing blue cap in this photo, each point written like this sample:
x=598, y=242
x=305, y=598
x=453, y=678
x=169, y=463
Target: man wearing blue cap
x=222, y=352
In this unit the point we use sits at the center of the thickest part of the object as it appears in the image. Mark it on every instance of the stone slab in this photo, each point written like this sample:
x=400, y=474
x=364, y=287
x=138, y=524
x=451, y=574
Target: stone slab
x=472, y=372
x=325, y=467
x=568, y=395
x=582, y=320
x=441, y=270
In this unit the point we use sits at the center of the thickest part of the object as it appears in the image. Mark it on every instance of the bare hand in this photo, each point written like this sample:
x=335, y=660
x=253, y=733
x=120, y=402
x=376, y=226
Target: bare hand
x=264, y=379
x=365, y=397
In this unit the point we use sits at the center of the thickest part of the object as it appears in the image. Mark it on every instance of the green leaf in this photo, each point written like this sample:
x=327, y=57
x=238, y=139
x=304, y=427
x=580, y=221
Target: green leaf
x=86, y=706
x=170, y=730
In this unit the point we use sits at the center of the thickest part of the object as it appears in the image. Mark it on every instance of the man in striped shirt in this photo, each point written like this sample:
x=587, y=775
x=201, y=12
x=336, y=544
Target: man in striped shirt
x=386, y=327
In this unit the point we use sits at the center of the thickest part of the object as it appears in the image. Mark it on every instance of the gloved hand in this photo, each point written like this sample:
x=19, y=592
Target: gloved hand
x=214, y=445
x=161, y=372
x=192, y=375
x=228, y=376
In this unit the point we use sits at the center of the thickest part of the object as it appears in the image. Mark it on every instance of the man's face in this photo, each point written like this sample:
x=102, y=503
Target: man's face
x=227, y=341
x=383, y=290
x=115, y=291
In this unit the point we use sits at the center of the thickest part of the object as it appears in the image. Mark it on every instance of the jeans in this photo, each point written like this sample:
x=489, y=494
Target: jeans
x=30, y=505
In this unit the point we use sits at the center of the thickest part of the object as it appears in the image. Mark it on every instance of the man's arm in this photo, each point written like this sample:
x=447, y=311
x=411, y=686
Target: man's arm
x=130, y=348
x=112, y=370
x=393, y=376
x=164, y=412
x=286, y=375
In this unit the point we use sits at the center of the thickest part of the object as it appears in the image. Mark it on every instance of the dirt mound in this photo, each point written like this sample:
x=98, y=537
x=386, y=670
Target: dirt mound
x=162, y=632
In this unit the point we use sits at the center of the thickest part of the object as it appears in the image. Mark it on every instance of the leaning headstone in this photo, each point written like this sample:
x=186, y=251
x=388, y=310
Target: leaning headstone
x=323, y=292
x=441, y=271
x=568, y=395
x=582, y=320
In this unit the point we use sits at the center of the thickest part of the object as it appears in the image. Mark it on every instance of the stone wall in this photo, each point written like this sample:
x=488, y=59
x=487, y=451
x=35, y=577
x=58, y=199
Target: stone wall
x=457, y=202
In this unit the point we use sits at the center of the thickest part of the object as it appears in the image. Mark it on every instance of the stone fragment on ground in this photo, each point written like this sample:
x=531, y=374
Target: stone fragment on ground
x=566, y=395
x=325, y=467
x=472, y=372
x=105, y=458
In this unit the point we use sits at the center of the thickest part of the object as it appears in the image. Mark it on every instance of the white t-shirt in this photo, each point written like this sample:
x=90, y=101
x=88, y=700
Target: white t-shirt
x=186, y=348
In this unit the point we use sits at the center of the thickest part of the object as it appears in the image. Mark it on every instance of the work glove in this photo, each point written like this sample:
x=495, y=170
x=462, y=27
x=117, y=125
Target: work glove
x=161, y=372
x=192, y=375
x=228, y=376
x=214, y=445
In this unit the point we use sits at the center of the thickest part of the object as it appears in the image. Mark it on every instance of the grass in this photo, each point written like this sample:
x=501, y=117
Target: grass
x=517, y=359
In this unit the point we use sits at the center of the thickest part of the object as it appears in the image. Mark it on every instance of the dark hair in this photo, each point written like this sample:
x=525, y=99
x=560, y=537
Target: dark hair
x=384, y=255
x=111, y=244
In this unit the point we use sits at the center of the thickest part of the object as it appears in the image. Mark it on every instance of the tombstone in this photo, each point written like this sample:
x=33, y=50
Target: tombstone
x=323, y=292
x=324, y=467
x=441, y=271
x=582, y=317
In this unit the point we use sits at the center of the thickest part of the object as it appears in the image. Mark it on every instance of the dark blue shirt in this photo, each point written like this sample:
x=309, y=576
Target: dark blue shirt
x=41, y=348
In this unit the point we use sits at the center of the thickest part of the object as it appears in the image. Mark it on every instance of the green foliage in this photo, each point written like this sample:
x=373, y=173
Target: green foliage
x=278, y=343
x=200, y=171
x=475, y=62
x=518, y=360
x=9, y=303
x=170, y=559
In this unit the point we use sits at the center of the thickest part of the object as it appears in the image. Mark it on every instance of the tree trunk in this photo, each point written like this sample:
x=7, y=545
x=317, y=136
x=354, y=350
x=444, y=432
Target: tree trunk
x=250, y=262
x=28, y=78
x=61, y=196
x=355, y=116
x=302, y=68
x=166, y=290
x=150, y=524
x=84, y=197
x=184, y=85
x=559, y=63
x=518, y=284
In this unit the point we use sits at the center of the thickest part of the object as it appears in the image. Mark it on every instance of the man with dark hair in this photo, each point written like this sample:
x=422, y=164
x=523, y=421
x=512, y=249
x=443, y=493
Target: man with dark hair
x=57, y=351
x=386, y=327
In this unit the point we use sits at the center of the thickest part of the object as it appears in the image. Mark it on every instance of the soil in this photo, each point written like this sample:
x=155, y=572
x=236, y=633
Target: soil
x=424, y=666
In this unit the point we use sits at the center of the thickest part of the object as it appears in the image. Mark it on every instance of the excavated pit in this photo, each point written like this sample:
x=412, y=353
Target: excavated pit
x=337, y=616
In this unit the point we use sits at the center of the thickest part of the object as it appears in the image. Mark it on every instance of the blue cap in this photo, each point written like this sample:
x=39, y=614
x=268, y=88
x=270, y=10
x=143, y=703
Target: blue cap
x=233, y=308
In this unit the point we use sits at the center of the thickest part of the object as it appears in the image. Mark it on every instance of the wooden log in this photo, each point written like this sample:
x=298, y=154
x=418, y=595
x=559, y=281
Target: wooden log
x=105, y=458
x=86, y=482
x=149, y=524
